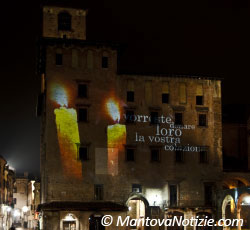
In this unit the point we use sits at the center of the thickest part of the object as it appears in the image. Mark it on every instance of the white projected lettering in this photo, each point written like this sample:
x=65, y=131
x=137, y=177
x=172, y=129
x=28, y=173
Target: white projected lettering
x=171, y=136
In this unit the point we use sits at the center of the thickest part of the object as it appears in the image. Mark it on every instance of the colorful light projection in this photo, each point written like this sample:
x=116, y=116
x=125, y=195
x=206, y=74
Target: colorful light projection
x=67, y=133
x=116, y=138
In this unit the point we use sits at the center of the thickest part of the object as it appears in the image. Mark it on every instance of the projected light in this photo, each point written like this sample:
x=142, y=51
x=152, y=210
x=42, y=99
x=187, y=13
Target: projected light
x=116, y=136
x=67, y=133
x=59, y=95
x=113, y=110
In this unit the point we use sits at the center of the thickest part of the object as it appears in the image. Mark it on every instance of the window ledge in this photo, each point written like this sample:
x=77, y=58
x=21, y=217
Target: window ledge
x=201, y=108
x=201, y=126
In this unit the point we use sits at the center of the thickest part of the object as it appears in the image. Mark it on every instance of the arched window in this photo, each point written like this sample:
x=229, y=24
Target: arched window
x=64, y=21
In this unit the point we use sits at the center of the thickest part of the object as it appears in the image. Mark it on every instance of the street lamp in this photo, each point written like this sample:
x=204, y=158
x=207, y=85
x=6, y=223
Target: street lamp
x=25, y=209
x=247, y=200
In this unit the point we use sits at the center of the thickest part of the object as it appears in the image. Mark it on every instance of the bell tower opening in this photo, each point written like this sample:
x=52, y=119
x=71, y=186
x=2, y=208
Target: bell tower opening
x=62, y=22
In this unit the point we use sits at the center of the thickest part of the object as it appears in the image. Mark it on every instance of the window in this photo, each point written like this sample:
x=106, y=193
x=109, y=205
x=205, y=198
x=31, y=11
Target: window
x=82, y=114
x=130, y=91
x=90, y=59
x=165, y=93
x=173, y=195
x=202, y=120
x=104, y=62
x=99, y=192
x=64, y=21
x=199, y=100
x=208, y=194
x=83, y=153
x=199, y=94
x=154, y=118
x=155, y=155
x=148, y=92
x=178, y=119
x=59, y=59
x=74, y=58
x=130, y=116
x=182, y=93
x=165, y=98
x=82, y=90
x=203, y=156
x=130, y=96
x=179, y=156
x=136, y=188
x=130, y=154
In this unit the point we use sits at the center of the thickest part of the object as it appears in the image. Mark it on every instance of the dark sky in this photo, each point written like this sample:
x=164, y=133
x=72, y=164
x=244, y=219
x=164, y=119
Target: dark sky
x=177, y=37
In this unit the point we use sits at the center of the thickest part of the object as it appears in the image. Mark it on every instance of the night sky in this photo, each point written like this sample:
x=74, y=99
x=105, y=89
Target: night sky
x=208, y=38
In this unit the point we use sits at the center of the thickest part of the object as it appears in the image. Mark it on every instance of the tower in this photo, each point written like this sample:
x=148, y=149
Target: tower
x=61, y=22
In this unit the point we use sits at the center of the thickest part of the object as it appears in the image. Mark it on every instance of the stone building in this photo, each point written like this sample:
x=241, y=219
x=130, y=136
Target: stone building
x=27, y=198
x=120, y=144
x=20, y=197
x=7, y=179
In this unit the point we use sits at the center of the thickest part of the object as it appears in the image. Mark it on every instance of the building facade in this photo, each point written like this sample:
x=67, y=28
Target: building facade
x=121, y=144
x=7, y=179
x=26, y=199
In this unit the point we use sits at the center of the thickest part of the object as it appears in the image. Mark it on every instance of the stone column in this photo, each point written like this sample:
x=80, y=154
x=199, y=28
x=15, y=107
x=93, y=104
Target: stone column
x=238, y=217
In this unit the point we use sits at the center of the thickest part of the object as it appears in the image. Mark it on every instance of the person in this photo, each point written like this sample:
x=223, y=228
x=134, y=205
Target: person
x=12, y=227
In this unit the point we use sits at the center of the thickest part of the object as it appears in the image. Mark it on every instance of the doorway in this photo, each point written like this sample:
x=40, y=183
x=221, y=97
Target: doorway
x=95, y=222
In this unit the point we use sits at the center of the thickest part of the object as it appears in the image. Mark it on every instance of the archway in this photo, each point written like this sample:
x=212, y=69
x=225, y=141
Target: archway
x=137, y=208
x=243, y=210
x=228, y=208
x=95, y=222
x=69, y=222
